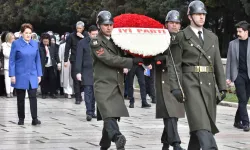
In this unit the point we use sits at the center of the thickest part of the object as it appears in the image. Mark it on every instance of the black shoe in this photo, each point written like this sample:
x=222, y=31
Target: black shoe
x=44, y=96
x=145, y=105
x=131, y=105
x=53, y=96
x=153, y=101
x=120, y=142
x=94, y=116
x=246, y=128
x=20, y=122
x=238, y=125
x=36, y=122
x=103, y=148
x=165, y=146
x=78, y=102
x=177, y=147
x=89, y=118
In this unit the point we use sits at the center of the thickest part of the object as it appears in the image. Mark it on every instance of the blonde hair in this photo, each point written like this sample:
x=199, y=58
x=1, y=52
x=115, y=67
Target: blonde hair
x=8, y=37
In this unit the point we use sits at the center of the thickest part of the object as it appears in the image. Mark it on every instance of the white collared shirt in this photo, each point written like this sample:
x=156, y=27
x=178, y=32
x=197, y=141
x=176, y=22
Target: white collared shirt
x=108, y=37
x=196, y=30
x=49, y=63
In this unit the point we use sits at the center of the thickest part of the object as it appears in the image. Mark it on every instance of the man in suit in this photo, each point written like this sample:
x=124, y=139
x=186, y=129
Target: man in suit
x=84, y=70
x=49, y=60
x=196, y=72
x=166, y=105
x=108, y=81
x=238, y=71
x=71, y=45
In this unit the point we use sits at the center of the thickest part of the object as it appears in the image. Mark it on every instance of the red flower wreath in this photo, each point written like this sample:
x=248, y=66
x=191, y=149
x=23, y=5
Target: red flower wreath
x=138, y=21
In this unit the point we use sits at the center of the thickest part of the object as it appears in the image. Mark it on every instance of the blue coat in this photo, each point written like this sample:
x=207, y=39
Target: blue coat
x=25, y=64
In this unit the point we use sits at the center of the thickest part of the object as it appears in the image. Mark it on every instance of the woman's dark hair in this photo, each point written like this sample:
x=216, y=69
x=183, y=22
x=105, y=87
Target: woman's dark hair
x=25, y=26
x=3, y=36
x=45, y=36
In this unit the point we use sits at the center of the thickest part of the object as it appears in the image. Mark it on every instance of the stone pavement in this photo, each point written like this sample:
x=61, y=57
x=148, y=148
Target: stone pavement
x=64, y=127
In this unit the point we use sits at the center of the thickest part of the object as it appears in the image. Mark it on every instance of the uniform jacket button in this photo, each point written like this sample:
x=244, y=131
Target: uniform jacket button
x=200, y=82
x=163, y=82
x=163, y=70
x=209, y=83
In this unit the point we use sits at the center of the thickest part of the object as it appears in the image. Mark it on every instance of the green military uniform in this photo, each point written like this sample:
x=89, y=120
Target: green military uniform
x=199, y=86
x=108, y=78
x=166, y=104
x=167, y=107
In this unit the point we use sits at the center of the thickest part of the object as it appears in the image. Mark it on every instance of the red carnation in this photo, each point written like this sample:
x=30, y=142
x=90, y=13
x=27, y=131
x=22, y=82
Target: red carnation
x=135, y=20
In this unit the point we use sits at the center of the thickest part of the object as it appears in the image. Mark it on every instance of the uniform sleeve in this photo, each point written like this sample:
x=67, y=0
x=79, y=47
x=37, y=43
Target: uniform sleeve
x=176, y=50
x=38, y=64
x=12, y=60
x=228, y=66
x=108, y=57
x=218, y=69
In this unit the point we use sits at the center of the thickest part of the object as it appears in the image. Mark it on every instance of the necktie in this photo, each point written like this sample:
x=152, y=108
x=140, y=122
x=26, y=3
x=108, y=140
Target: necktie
x=200, y=38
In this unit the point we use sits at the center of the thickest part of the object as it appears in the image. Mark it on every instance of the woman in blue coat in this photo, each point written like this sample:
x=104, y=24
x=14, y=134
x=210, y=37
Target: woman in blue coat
x=25, y=72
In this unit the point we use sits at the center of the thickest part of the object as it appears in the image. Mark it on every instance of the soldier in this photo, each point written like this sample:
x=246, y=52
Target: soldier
x=108, y=82
x=199, y=68
x=166, y=105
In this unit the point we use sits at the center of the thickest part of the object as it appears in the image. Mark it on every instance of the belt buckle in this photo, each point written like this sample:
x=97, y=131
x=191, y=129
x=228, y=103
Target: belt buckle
x=203, y=69
x=197, y=69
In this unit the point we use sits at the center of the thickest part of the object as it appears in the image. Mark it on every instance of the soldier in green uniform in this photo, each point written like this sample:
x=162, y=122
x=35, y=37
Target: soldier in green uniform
x=108, y=81
x=197, y=63
x=166, y=105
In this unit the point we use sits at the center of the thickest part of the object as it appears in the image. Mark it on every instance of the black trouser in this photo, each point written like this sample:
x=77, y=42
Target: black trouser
x=76, y=83
x=139, y=72
x=21, y=103
x=242, y=84
x=170, y=134
x=202, y=139
x=49, y=84
x=110, y=132
x=125, y=85
x=150, y=84
x=89, y=99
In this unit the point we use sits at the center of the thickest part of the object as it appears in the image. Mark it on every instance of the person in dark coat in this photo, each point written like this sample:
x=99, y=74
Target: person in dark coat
x=49, y=61
x=71, y=45
x=195, y=75
x=166, y=105
x=108, y=82
x=84, y=70
x=137, y=70
x=58, y=84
